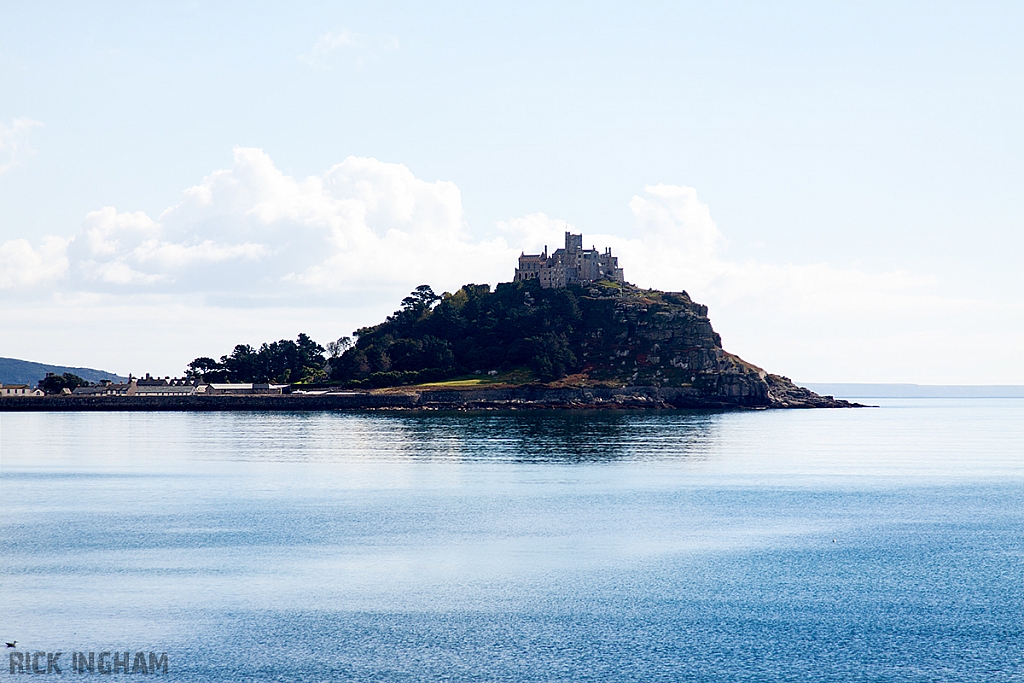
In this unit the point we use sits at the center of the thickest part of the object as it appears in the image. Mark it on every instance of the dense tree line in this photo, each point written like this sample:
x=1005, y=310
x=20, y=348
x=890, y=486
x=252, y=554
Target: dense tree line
x=283, y=361
x=518, y=325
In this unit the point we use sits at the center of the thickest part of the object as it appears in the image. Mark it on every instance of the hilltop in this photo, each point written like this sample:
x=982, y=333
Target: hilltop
x=14, y=371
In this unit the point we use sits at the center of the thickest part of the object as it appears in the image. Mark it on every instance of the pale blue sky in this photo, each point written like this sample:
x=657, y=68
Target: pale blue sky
x=875, y=136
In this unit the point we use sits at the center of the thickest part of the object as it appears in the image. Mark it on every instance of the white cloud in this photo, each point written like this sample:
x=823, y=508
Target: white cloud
x=252, y=231
x=362, y=224
x=128, y=249
x=14, y=142
x=169, y=256
x=107, y=233
x=23, y=266
x=118, y=273
x=362, y=46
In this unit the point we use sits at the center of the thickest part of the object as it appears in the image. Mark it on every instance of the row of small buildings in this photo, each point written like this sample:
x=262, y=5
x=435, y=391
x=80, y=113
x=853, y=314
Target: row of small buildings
x=154, y=386
x=150, y=386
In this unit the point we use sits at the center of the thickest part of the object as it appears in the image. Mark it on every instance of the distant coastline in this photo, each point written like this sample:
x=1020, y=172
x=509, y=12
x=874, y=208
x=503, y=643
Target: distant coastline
x=17, y=371
x=868, y=390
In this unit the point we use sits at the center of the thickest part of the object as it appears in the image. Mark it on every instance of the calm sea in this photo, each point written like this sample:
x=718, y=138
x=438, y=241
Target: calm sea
x=882, y=544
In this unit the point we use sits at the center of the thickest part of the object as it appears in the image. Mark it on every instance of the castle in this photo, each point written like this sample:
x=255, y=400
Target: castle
x=573, y=265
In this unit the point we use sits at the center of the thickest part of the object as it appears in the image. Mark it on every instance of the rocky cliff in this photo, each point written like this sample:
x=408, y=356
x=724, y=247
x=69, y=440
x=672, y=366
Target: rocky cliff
x=664, y=339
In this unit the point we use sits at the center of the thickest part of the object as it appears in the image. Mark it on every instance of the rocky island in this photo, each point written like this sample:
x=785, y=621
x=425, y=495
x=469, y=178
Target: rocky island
x=567, y=332
x=597, y=343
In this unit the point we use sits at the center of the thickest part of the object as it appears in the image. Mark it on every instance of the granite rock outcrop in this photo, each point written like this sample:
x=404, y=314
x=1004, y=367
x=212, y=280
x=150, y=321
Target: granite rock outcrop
x=665, y=340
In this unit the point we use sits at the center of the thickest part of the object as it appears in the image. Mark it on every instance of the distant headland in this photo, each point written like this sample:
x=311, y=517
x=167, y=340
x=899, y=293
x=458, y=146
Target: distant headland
x=567, y=331
x=29, y=373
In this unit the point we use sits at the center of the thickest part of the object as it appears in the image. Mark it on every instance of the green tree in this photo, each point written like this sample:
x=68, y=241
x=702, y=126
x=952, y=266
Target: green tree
x=205, y=369
x=282, y=361
x=518, y=325
x=54, y=384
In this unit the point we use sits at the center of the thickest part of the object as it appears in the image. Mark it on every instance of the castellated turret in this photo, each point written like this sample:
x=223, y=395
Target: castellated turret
x=572, y=265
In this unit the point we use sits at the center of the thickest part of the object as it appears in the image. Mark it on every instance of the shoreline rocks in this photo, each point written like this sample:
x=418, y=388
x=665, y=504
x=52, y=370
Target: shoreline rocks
x=782, y=394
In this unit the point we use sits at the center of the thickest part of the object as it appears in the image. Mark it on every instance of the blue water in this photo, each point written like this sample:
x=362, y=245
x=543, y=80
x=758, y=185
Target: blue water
x=883, y=544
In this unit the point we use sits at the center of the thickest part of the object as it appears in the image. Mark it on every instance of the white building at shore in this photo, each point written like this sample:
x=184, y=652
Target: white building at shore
x=19, y=390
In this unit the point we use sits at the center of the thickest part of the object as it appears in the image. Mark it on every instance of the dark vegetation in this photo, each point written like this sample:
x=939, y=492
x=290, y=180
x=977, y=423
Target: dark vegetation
x=430, y=338
x=284, y=361
x=601, y=336
x=54, y=383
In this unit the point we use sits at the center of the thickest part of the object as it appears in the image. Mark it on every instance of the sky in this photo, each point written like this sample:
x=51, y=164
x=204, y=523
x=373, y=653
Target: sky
x=841, y=183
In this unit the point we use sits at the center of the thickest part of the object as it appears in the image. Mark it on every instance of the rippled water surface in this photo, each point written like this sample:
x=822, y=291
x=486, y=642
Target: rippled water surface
x=882, y=544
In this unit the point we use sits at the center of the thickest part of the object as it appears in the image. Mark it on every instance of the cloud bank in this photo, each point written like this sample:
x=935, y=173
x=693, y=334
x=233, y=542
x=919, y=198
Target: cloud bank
x=350, y=242
x=251, y=232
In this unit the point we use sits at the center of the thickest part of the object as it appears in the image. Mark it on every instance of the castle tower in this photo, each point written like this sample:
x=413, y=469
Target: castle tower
x=569, y=266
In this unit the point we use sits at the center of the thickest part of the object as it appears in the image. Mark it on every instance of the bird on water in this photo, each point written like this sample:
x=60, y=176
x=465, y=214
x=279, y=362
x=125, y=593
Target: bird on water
x=13, y=643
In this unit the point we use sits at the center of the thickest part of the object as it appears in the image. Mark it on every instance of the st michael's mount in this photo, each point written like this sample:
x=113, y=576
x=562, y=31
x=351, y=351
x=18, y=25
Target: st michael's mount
x=567, y=332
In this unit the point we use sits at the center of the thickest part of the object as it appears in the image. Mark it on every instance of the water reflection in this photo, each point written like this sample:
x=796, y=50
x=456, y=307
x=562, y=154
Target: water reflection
x=567, y=437
x=555, y=437
x=130, y=439
x=976, y=439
